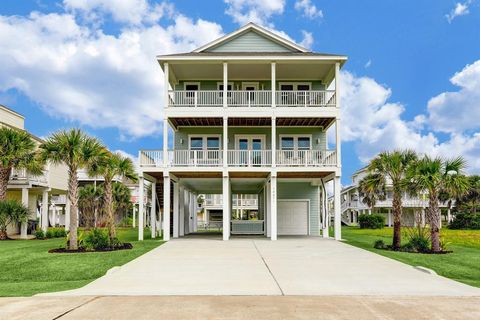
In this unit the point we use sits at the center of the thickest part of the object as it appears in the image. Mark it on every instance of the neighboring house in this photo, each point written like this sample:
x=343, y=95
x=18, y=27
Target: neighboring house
x=44, y=195
x=244, y=207
x=413, y=207
x=249, y=113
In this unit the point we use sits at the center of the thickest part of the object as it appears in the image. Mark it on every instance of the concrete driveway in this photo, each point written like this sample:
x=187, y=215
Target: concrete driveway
x=257, y=266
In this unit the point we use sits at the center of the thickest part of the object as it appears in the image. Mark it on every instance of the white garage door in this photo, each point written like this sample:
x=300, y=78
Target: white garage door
x=292, y=217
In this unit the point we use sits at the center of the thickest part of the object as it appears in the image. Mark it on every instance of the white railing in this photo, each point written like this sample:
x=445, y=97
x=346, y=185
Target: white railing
x=196, y=98
x=249, y=158
x=247, y=226
x=307, y=158
x=151, y=158
x=24, y=175
x=322, y=98
x=245, y=200
x=195, y=158
x=246, y=98
x=250, y=98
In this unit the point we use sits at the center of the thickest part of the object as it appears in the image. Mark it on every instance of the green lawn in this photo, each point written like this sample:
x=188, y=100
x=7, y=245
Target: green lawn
x=462, y=265
x=26, y=267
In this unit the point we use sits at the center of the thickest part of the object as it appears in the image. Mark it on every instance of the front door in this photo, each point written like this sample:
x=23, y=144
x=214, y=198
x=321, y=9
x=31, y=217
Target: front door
x=250, y=148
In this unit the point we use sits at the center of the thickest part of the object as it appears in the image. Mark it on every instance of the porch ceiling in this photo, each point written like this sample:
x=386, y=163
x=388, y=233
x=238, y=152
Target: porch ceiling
x=251, y=122
x=246, y=185
x=252, y=70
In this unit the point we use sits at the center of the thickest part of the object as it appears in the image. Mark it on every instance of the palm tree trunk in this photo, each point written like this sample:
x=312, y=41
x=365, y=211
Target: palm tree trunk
x=434, y=220
x=397, y=219
x=73, y=198
x=4, y=177
x=3, y=233
x=109, y=207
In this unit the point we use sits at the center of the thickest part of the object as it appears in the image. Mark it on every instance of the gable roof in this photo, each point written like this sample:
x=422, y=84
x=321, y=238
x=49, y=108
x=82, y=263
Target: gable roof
x=252, y=27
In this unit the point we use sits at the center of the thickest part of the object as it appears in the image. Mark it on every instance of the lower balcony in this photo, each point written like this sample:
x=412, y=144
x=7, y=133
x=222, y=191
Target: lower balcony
x=239, y=158
x=22, y=176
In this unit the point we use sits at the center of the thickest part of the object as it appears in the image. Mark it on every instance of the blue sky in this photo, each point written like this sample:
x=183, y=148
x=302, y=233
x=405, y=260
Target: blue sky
x=412, y=79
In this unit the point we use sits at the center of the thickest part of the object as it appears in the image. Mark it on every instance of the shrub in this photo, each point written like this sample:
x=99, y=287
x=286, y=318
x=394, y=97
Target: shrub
x=39, y=234
x=465, y=221
x=418, y=243
x=49, y=234
x=372, y=221
x=96, y=239
x=126, y=222
x=379, y=244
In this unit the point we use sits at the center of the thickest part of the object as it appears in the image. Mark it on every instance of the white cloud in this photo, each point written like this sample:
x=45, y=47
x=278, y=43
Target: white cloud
x=78, y=72
x=307, y=41
x=460, y=110
x=460, y=9
x=133, y=12
x=374, y=124
x=368, y=64
x=260, y=12
x=308, y=9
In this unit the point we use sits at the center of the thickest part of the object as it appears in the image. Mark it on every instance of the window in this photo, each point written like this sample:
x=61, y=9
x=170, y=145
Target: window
x=287, y=143
x=204, y=142
x=191, y=87
x=295, y=143
x=213, y=143
x=196, y=143
x=303, y=143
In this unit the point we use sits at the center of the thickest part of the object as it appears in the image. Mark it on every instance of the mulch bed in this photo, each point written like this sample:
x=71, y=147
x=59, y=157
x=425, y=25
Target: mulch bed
x=412, y=251
x=125, y=246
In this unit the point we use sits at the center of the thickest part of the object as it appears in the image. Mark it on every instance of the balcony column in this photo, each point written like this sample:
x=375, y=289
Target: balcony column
x=274, y=142
x=141, y=186
x=67, y=214
x=225, y=143
x=153, y=211
x=45, y=210
x=176, y=211
x=325, y=215
x=166, y=207
x=134, y=214
x=338, y=212
x=24, y=225
x=226, y=206
x=165, y=143
x=273, y=85
x=225, y=84
x=193, y=209
x=268, y=208
x=337, y=121
x=273, y=209
x=182, y=215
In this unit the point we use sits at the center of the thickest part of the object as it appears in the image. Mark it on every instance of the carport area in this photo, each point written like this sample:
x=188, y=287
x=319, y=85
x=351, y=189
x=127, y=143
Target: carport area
x=257, y=266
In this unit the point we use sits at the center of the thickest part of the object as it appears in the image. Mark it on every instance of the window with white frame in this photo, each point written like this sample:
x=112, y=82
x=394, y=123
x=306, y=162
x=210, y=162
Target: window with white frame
x=295, y=142
x=205, y=142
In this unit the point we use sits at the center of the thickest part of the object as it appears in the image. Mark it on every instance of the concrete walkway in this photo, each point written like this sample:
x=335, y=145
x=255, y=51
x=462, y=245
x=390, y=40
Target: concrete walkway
x=240, y=307
x=256, y=266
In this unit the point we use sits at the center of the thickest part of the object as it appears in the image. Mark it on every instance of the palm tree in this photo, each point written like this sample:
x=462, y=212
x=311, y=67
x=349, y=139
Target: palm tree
x=393, y=165
x=372, y=188
x=110, y=166
x=435, y=176
x=470, y=201
x=90, y=200
x=17, y=150
x=11, y=211
x=122, y=198
x=76, y=150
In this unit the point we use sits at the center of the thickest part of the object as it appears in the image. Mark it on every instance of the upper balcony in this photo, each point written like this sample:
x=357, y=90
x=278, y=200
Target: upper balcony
x=22, y=177
x=252, y=98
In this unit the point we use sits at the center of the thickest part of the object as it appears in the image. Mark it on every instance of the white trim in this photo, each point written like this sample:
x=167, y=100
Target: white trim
x=295, y=140
x=204, y=140
x=250, y=137
x=261, y=30
x=250, y=84
x=308, y=210
x=185, y=84
x=220, y=58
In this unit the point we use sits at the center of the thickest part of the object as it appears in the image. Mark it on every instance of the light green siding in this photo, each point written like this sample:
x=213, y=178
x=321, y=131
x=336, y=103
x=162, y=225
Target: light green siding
x=303, y=190
x=250, y=41
x=318, y=136
x=237, y=84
